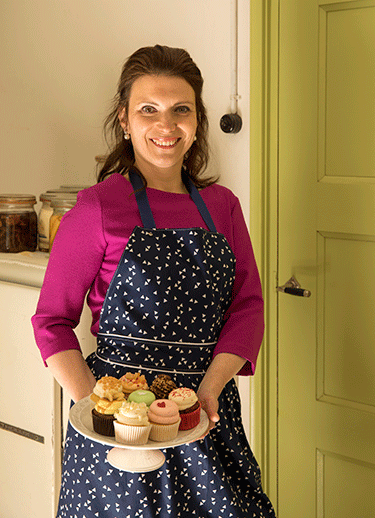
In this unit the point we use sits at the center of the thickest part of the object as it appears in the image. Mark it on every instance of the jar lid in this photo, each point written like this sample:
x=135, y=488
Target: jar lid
x=48, y=196
x=24, y=199
x=68, y=200
x=74, y=187
x=59, y=191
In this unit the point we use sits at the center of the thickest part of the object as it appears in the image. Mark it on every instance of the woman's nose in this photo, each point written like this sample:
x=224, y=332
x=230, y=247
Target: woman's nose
x=167, y=122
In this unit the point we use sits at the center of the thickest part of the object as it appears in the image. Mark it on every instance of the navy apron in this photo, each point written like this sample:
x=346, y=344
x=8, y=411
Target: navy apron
x=163, y=313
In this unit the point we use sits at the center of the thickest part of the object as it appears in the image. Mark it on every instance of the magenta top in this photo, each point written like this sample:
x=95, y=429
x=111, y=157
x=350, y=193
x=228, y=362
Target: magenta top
x=89, y=244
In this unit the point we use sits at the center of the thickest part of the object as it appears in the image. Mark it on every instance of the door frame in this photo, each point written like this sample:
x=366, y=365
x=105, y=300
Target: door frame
x=264, y=171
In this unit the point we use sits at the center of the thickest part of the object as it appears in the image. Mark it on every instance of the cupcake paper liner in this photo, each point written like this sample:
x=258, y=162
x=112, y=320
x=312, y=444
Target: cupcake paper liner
x=103, y=424
x=190, y=419
x=127, y=434
x=164, y=432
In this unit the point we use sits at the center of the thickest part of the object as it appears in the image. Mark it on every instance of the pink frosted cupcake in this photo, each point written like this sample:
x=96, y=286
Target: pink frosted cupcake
x=165, y=419
x=188, y=406
x=132, y=425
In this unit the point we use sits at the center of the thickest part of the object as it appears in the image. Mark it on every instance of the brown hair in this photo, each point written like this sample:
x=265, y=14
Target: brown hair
x=157, y=60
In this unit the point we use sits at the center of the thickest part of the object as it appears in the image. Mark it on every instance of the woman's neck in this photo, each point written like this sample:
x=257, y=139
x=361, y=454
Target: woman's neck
x=162, y=180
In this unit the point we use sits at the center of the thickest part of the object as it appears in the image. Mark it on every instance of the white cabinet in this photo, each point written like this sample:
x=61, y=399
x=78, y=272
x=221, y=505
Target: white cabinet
x=31, y=404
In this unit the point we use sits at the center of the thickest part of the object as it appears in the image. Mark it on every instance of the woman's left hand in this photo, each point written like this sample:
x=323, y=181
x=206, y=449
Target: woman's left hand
x=222, y=368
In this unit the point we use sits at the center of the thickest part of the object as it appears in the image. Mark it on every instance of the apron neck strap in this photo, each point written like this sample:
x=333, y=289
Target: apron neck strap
x=142, y=200
x=201, y=206
x=144, y=205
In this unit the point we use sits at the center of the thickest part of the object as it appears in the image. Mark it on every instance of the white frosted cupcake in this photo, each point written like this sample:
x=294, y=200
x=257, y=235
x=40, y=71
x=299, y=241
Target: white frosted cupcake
x=132, y=425
x=188, y=405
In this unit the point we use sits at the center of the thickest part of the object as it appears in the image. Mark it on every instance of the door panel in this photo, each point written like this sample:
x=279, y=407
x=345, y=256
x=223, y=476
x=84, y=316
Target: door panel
x=345, y=320
x=343, y=486
x=346, y=78
x=326, y=239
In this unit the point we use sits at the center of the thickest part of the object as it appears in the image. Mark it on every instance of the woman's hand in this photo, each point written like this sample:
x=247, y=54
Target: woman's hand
x=210, y=405
x=222, y=369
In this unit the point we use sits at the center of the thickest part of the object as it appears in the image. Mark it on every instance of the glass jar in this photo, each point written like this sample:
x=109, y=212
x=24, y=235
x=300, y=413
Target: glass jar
x=44, y=216
x=18, y=223
x=60, y=205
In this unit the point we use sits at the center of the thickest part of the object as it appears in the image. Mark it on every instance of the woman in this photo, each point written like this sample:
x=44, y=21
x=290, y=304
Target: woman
x=189, y=300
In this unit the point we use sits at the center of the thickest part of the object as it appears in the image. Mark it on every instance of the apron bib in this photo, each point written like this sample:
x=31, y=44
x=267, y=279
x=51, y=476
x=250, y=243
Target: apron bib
x=163, y=313
x=164, y=308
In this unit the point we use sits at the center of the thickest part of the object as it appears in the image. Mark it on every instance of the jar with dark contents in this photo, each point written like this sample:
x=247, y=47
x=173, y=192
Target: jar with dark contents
x=18, y=223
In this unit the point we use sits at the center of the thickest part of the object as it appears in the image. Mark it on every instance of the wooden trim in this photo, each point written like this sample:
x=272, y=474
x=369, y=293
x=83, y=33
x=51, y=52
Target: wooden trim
x=264, y=59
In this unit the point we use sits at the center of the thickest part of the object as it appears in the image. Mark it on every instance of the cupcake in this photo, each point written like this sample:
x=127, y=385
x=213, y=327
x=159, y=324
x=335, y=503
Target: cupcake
x=133, y=381
x=107, y=397
x=188, y=406
x=162, y=386
x=103, y=416
x=132, y=425
x=108, y=388
x=142, y=396
x=165, y=419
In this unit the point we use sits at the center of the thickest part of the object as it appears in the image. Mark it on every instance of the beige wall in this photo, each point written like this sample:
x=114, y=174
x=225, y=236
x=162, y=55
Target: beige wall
x=59, y=65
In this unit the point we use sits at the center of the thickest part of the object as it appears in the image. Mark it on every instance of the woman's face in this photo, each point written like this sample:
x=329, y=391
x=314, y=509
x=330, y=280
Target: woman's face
x=161, y=121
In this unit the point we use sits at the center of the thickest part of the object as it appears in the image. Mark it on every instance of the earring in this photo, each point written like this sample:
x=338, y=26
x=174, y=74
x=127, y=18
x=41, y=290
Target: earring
x=195, y=138
x=126, y=135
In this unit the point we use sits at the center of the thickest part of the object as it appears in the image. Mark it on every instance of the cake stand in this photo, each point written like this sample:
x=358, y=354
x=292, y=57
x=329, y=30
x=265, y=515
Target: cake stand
x=127, y=457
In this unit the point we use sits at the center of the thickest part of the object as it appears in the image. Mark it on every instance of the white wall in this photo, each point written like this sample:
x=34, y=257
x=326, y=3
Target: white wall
x=59, y=65
x=60, y=61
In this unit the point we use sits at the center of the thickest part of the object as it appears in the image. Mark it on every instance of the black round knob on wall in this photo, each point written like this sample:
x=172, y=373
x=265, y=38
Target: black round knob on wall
x=231, y=123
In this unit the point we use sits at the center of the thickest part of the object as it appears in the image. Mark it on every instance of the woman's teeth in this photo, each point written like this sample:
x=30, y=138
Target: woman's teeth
x=165, y=143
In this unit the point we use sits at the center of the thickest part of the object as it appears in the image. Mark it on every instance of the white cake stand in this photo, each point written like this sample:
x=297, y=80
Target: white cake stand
x=135, y=459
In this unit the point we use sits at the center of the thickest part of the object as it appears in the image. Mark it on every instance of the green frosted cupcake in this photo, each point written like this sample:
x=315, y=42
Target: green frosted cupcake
x=142, y=396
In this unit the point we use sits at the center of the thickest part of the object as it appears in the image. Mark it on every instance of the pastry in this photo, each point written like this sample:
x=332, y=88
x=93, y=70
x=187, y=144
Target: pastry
x=162, y=386
x=142, y=396
x=132, y=425
x=165, y=419
x=108, y=388
x=103, y=416
x=188, y=406
x=133, y=381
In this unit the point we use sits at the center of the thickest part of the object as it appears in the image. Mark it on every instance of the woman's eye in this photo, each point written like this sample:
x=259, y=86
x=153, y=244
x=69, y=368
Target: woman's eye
x=182, y=109
x=148, y=109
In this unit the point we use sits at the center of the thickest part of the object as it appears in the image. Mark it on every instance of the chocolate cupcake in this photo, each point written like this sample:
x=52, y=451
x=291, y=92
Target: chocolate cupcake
x=103, y=416
x=162, y=386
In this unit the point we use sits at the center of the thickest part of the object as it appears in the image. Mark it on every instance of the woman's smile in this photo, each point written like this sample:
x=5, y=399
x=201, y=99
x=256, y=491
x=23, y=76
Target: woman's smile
x=165, y=144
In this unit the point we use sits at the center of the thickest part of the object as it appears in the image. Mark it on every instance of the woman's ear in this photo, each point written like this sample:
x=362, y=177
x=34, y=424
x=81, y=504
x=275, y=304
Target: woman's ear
x=122, y=118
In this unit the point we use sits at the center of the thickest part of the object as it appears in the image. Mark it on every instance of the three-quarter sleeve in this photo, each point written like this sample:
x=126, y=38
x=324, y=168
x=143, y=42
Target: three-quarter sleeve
x=74, y=261
x=243, y=330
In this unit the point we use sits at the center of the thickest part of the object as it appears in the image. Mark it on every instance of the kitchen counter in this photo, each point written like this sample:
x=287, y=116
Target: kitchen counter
x=26, y=268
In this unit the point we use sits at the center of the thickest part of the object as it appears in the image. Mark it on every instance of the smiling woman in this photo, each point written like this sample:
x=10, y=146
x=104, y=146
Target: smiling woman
x=172, y=284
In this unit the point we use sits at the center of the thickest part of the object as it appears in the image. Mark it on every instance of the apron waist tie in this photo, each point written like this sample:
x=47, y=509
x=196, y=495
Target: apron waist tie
x=159, y=356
